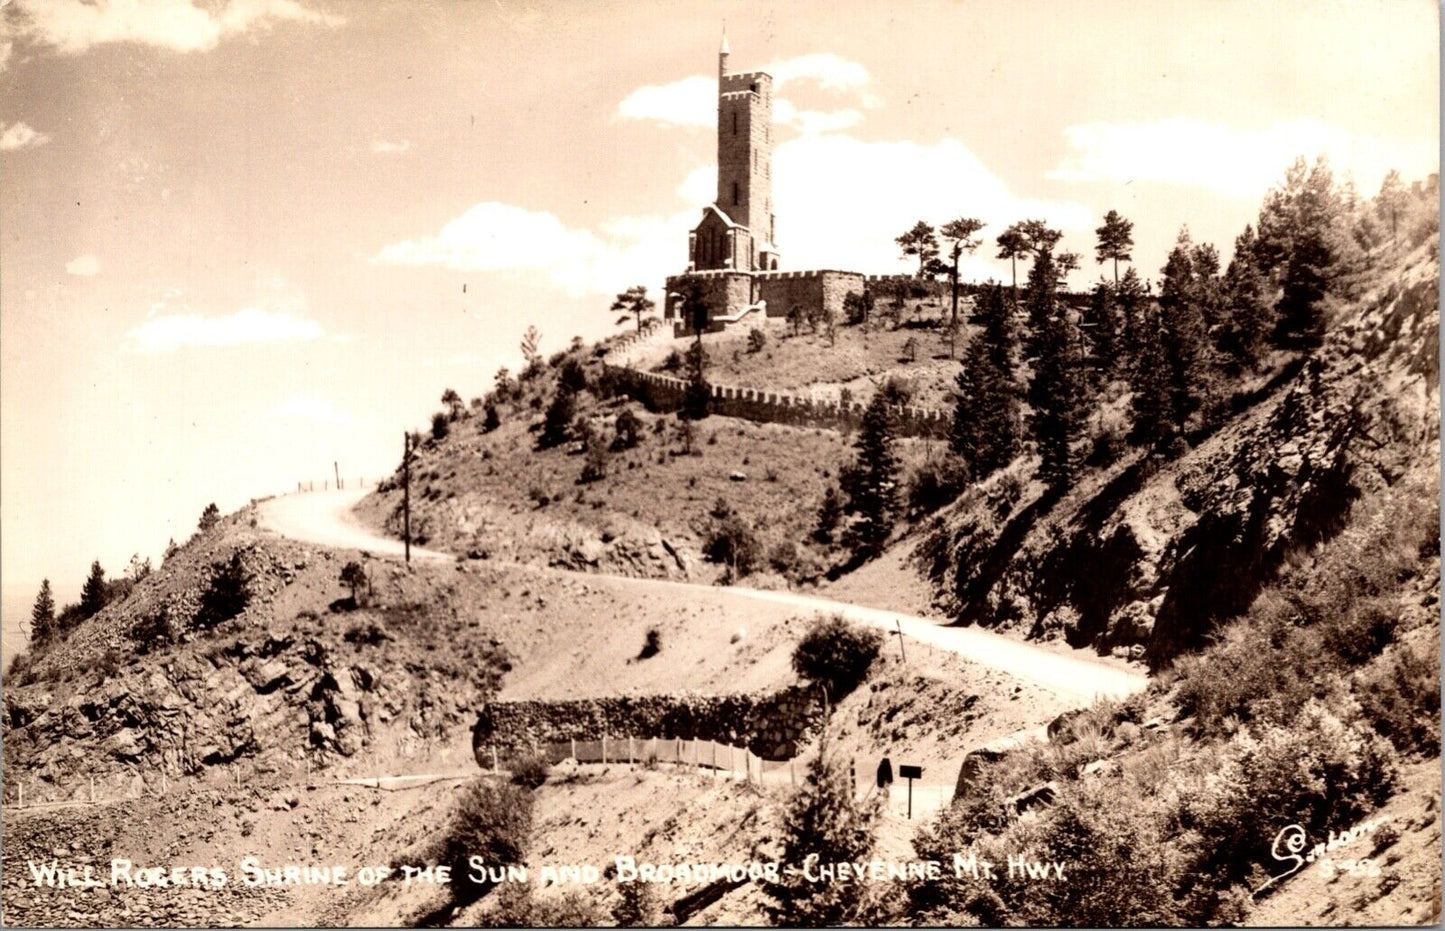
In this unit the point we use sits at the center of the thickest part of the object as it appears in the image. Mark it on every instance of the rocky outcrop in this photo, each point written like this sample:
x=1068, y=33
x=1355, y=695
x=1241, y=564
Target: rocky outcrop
x=773, y=726
x=274, y=688
x=473, y=526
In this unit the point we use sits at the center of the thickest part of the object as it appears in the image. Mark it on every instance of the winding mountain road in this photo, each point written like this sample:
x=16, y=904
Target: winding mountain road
x=326, y=519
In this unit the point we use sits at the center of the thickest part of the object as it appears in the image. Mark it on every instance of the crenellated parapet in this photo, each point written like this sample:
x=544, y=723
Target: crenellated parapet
x=665, y=393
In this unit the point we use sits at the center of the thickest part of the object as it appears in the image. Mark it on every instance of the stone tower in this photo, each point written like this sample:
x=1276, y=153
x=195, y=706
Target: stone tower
x=737, y=233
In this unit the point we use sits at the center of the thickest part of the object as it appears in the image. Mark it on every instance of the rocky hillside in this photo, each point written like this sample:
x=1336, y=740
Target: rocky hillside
x=1142, y=557
x=300, y=675
x=650, y=507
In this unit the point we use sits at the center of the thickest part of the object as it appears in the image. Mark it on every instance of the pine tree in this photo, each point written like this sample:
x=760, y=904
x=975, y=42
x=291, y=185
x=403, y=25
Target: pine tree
x=1312, y=261
x=1041, y=301
x=920, y=241
x=822, y=821
x=830, y=512
x=1276, y=226
x=42, y=615
x=1130, y=297
x=697, y=397
x=986, y=408
x=454, y=404
x=1058, y=417
x=1303, y=249
x=92, y=594
x=1390, y=203
x=872, y=483
x=1115, y=239
x=1183, y=335
x=1056, y=391
x=633, y=301
x=1249, y=318
x=210, y=517
x=531, y=347
x=1040, y=292
x=960, y=237
x=1208, y=287
x=1013, y=245
x=1153, y=424
x=557, y=422
x=1103, y=329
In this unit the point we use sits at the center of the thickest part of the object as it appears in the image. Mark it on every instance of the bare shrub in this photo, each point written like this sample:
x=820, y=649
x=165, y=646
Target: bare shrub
x=531, y=771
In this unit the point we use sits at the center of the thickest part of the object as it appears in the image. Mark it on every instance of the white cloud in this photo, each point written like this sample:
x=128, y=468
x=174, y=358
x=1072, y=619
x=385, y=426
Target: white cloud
x=900, y=183
x=496, y=237
x=692, y=101
x=169, y=332
x=1238, y=162
x=817, y=228
x=387, y=147
x=83, y=265
x=814, y=121
x=73, y=26
x=20, y=136
x=316, y=411
x=689, y=102
x=828, y=71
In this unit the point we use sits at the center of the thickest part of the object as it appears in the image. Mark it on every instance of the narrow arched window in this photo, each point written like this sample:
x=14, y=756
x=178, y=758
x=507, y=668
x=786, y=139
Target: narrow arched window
x=735, y=194
x=735, y=122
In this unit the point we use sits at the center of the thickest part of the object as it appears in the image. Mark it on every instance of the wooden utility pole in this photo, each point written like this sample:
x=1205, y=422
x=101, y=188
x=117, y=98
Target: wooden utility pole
x=899, y=624
x=406, y=493
x=336, y=467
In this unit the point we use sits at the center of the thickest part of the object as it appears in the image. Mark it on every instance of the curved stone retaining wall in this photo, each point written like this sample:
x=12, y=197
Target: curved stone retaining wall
x=773, y=726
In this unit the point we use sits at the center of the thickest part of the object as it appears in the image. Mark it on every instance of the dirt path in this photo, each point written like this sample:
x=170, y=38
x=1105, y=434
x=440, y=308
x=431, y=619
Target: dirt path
x=325, y=519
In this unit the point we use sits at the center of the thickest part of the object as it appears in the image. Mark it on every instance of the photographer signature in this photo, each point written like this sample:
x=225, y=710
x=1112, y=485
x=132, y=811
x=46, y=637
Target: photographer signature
x=1291, y=841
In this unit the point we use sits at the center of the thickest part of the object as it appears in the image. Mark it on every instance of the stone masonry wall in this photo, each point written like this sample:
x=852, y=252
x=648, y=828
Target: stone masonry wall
x=725, y=292
x=665, y=393
x=773, y=726
x=811, y=289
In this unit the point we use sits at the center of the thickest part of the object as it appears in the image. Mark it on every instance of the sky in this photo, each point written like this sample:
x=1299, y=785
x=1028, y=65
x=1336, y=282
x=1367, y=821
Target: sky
x=243, y=240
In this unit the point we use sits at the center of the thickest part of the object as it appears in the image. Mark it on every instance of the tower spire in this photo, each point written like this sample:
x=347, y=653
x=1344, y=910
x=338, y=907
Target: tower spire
x=722, y=55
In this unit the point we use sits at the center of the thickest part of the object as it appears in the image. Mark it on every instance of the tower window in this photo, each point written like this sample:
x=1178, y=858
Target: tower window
x=735, y=122
x=735, y=193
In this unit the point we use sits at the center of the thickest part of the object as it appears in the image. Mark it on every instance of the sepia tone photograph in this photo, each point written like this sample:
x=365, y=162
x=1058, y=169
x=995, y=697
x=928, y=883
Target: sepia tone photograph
x=538, y=464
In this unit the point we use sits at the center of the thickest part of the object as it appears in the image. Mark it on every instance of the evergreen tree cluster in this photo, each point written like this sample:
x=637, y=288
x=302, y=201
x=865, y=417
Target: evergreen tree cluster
x=1177, y=350
x=986, y=425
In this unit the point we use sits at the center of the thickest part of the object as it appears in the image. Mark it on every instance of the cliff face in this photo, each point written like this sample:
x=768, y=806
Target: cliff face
x=1142, y=558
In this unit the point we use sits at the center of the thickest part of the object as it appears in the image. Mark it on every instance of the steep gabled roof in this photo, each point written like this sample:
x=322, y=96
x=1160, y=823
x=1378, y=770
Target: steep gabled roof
x=721, y=216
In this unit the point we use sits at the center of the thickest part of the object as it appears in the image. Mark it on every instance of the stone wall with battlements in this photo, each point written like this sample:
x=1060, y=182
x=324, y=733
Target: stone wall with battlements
x=811, y=290
x=726, y=293
x=664, y=393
